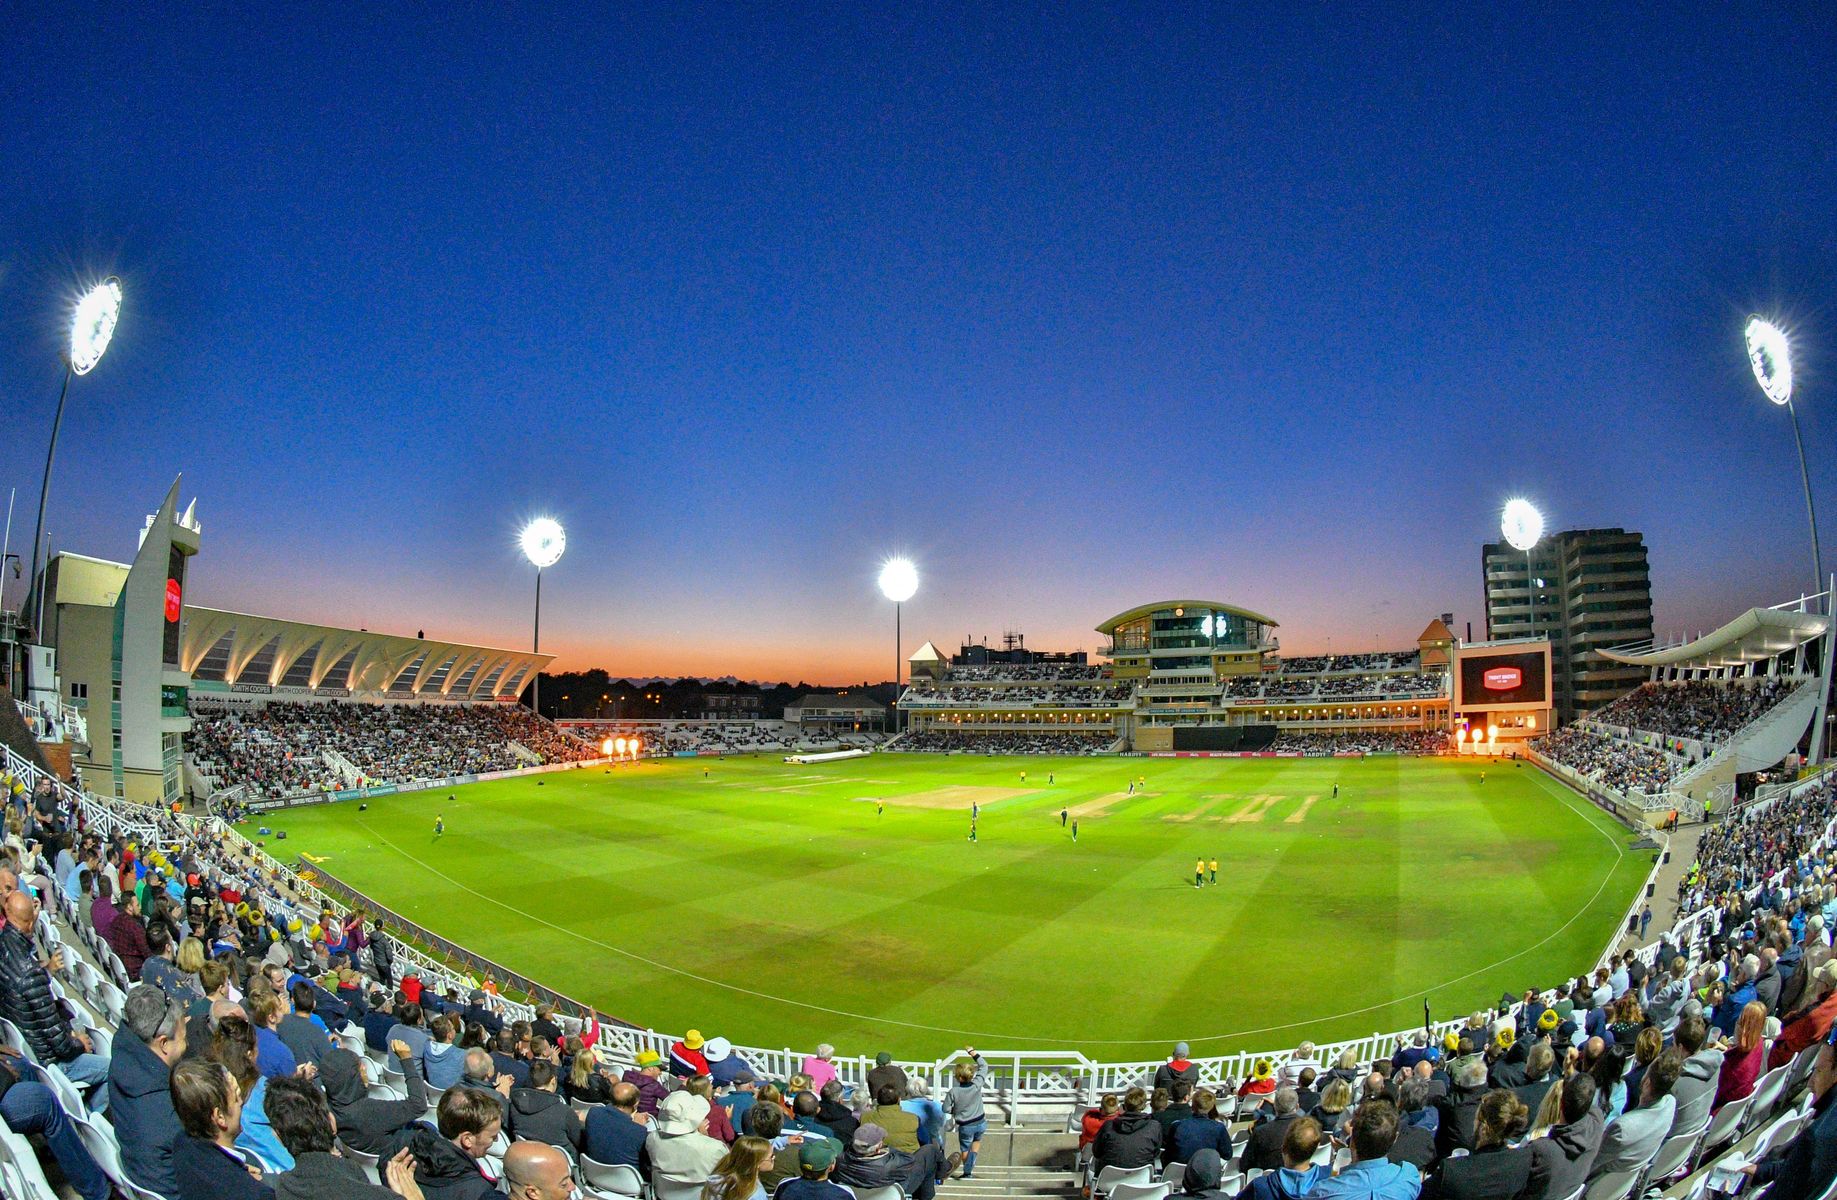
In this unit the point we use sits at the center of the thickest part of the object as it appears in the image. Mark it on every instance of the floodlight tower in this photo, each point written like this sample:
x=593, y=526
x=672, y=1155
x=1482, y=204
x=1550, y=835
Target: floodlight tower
x=1522, y=526
x=898, y=581
x=1770, y=354
x=543, y=540
x=92, y=325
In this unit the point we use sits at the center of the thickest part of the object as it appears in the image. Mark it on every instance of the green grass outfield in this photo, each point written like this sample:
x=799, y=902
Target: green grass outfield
x=769, y=903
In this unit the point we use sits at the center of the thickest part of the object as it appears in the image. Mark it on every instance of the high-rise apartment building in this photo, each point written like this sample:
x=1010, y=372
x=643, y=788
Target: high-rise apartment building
x=1587, y=590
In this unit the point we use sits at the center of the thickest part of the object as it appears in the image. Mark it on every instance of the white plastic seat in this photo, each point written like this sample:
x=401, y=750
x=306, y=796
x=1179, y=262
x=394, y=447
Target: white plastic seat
x=1672, y=1157
x=367, y=1161
x=1723, y=1127
x=1110, y=1177
x=611, y=1179
x=23, y=1172
x=1133, y=1191
x=676, y=1189
x=891, y=1192
x=99, y=1140
x=1613, y=1186
x=1765, y=1095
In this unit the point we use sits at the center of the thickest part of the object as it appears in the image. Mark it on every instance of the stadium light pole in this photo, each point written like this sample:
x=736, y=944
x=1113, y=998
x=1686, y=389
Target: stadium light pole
x=898, y=581
x=1770, y=354
x=1523, y=526
x=543, y=540
x=92, y=326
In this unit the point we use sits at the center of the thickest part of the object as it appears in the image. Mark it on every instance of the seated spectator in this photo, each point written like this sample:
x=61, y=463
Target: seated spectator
x=443, y=1061
x=205, y=1162
x=1457, y=1111
x=680, y=1149
x=1630, y=1142
x=835, y=1113
x=586, y=1081
x=686, y=1060
x=379, y=1020
x=1132, y=1138
x=1496, y=1169
x=739, y=1101
x=1560, y=1160
x=272, y=1057
x=1263, y=1148
x=504, y=1056
x=233, y=1045
x=870, y=1161
x=127, y=936
x=1742, y=1061
x=615, y=1133
x=1812, y=1022
x=1335, y=1107
x=446, y=1158
x=902, y=1128
x=1701, y=1075
x=737, y=1177
x=539, y=1171
x=1204, y=1129
x=1262, y=1081
x=819, y=1066
x=816, y=1160
x=1418, y=1121
x=725, y=1065
x=1177, y=1067
x=149, y=1043
x=1297, y=1175
x=1807, y=1166
x=26, y=999
x=29, y=1106
x=930, y=1113
x=539, y=1114
x=304, y=1037
x=646, y=1076
x=478, y=1012
x=298, y=1113
x=1371, y=1175
x=366, y=1125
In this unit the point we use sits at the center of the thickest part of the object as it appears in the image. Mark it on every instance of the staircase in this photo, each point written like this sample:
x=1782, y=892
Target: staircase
x=992, y=1182
x=347, y=770
x=524, y=753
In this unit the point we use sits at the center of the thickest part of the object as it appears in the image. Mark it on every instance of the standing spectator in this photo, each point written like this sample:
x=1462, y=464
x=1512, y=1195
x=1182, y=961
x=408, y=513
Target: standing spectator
x=886, y=1073
x=963, y=1103
x=127, y=937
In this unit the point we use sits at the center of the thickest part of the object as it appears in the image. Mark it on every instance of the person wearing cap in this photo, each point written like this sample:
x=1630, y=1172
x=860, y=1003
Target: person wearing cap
x=816, y=1161
x=478, y=1012
x=681, y=1150
x=647, y=1077
x=870, y=1161
x=1177, y=1067
x=884, y=1072
x=686, y=1058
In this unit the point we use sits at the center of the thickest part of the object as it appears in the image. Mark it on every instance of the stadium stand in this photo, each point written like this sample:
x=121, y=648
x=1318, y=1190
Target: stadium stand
x=1703, y=710
x=1752, y=945
x=732, y=737
x=1408, y=741
x=281, y=748
x=1610, y=761
x=1017, y=742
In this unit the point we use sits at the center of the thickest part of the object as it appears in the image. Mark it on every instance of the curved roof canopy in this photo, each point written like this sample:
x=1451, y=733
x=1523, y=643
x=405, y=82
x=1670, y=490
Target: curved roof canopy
x=1143, y=610
x=1754, y=636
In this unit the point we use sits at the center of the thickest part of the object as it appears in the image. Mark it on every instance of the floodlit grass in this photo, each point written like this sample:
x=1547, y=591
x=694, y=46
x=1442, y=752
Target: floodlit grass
x=771, y=904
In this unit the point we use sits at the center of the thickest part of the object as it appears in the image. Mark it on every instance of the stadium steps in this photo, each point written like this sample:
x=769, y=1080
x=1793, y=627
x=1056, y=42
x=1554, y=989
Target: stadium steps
x=992, y=1181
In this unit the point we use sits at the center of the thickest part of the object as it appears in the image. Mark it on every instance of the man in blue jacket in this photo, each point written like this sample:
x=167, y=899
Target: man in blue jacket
x=1371, y=1175
x=148, y=1044
x=616, y=1132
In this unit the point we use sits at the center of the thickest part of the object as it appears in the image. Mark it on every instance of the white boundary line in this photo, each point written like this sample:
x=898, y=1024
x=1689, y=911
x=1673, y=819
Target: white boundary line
x=1562, y=796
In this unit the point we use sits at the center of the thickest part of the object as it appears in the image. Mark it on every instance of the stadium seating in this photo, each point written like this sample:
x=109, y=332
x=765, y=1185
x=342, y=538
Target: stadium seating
x=1408, y=741
x=1703, y=710
x=1610, y=761
x=938, y=741
x=281, y=748
x=1757, y=879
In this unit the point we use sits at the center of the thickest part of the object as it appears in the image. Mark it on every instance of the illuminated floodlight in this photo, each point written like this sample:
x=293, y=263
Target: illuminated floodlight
x=1771, y=357
x=543, y=540
x=93, y=324
x=898, y=580
x=1521, y=524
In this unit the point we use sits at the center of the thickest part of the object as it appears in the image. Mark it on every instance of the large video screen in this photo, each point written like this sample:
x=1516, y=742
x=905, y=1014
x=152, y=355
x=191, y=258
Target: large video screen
x=174, y=602
x=1503, y=679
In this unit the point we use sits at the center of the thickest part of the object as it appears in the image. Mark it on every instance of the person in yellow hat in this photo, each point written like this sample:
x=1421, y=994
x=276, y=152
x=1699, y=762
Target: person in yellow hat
x=647, y=1077
x=1548, y=1021
x=1262, y=1081
x=686, y=1057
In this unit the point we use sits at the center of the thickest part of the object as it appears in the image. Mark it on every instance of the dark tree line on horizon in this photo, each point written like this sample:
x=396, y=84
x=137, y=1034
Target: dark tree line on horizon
x=585, y=695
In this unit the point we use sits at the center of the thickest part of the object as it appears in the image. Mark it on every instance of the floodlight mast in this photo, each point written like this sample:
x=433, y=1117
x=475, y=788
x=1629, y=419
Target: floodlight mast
x=1523, y=525
x=92, y=327
x=543, y=541
x=1770, y=354
x=898, y=582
